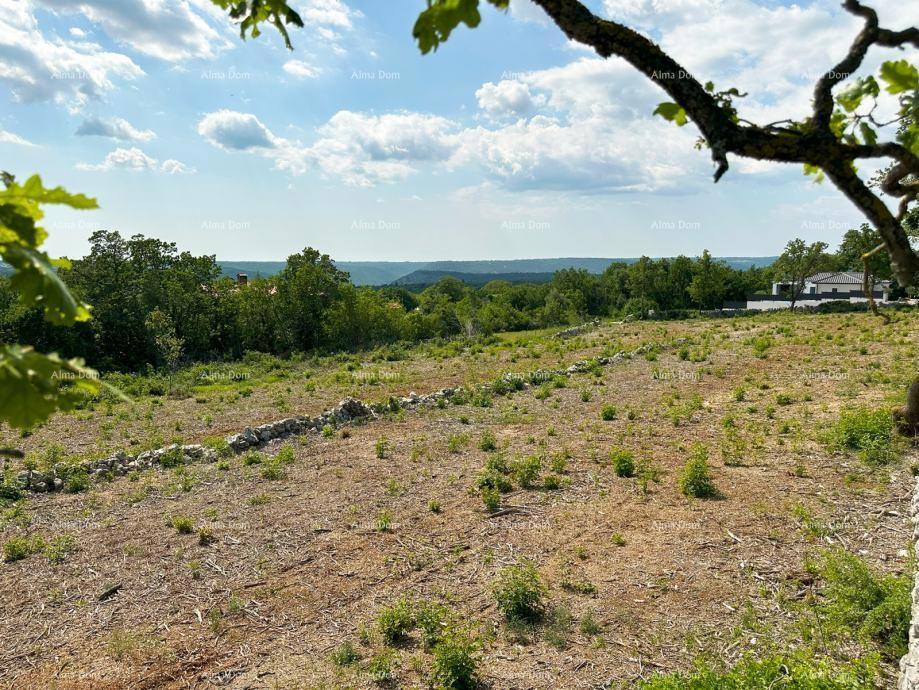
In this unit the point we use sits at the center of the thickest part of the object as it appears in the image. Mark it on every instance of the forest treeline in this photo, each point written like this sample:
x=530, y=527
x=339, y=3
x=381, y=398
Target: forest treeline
x=156, y=307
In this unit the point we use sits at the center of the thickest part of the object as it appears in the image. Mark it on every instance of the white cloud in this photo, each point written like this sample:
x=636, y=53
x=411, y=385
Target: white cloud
x=507, y=98
x=329, y=13
x=165, y=29
x=301, y=69
x=136, y=160
x=529, y=11
x=77, y=32
x=65, y=72
x=356, y=148
x=235, y=131
x=363, y=150
x=10, y=138
x=115, y=128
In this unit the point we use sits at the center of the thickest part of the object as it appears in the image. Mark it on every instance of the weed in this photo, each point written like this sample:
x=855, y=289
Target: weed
x=182, y=524
x=491, y=497
x=520, y=593
x=345, y=655
x=608, y=413
x=455, y=663
x=868, y=431
x=526, y=471
x=488, y=441
x=395, y=621
x=623, y=462
x=695, y=480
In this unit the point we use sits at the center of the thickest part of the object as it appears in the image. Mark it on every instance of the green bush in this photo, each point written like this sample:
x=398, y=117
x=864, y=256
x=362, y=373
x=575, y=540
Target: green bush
x=19, y=548
x=285, y=455
x=520, y=593
x=623, y=462
x=491, y=497
x=695, y=480
x=182, y=524
x=455, y=662
x=431, y=619
x=868, y=431
x=488, y=441
x=345, y=655
x=608, y=413
x=395, y=621
x=526, y=471
x=788, y=672
x=867, y=606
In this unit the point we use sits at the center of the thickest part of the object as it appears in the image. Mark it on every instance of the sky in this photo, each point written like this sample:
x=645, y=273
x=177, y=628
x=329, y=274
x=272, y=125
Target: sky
x=509, y=142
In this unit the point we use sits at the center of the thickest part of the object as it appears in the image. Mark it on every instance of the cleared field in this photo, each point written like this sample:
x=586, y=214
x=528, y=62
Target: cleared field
x=272, y=569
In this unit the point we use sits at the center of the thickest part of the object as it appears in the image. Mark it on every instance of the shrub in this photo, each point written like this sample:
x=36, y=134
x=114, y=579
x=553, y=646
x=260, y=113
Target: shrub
x=520, y=593
x=608, y=413
x=623, y=462
x=172, y=458
x=345, y=655
x=431, y=618
x=796, y=672
x=252, y=457
x=76, y=482
x=285, y=455
x=183, y=524
x=868, y=431
x=381, y=447
x=219, y=445
x=694, y=479
x=488, y=442
x=491, y=497
x=867, y=606
x=272, y=471
x=328, y=431
x=551, y=482
x=527, y=470
x=560, y=462
x=455, y=663
x=395, y=621
x=59, y=548
x=206, y=536
x=19, y=548
x=380, y=667
x=456, y=442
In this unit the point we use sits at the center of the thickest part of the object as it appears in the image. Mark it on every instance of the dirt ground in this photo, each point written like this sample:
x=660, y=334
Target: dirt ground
x=299, y=565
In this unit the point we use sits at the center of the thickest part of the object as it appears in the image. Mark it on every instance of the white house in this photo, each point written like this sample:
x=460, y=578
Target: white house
x=820, y=288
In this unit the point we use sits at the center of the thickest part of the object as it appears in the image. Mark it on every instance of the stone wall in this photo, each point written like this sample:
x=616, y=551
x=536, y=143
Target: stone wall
x=347, y=411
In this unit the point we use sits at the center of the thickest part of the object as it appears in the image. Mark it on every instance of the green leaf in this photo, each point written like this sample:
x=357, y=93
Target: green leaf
x=33, y=385
x=816, y=171
x=672, y=112
x=851, y=97
x=39, y=284
x=869, y=136
x=900, y=76
x=436, y=23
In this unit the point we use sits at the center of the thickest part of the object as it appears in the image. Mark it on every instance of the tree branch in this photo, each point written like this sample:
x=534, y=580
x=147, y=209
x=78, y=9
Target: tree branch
x=815, y=145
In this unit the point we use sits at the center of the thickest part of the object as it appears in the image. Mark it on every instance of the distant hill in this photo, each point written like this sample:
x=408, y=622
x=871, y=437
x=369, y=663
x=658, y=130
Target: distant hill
x=253, y=269
x=388, y=272
x=423, y=278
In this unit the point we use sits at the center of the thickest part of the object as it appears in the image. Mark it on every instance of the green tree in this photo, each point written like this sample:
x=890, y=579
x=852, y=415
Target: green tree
x=309, y=284
x=707, y=287
x=799, y=261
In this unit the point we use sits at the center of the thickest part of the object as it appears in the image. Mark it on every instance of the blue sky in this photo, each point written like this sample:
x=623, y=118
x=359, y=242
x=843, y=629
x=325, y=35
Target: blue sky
x=509, y=142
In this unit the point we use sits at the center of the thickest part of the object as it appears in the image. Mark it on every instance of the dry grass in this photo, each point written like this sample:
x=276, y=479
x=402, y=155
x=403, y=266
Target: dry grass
x=298, y=565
